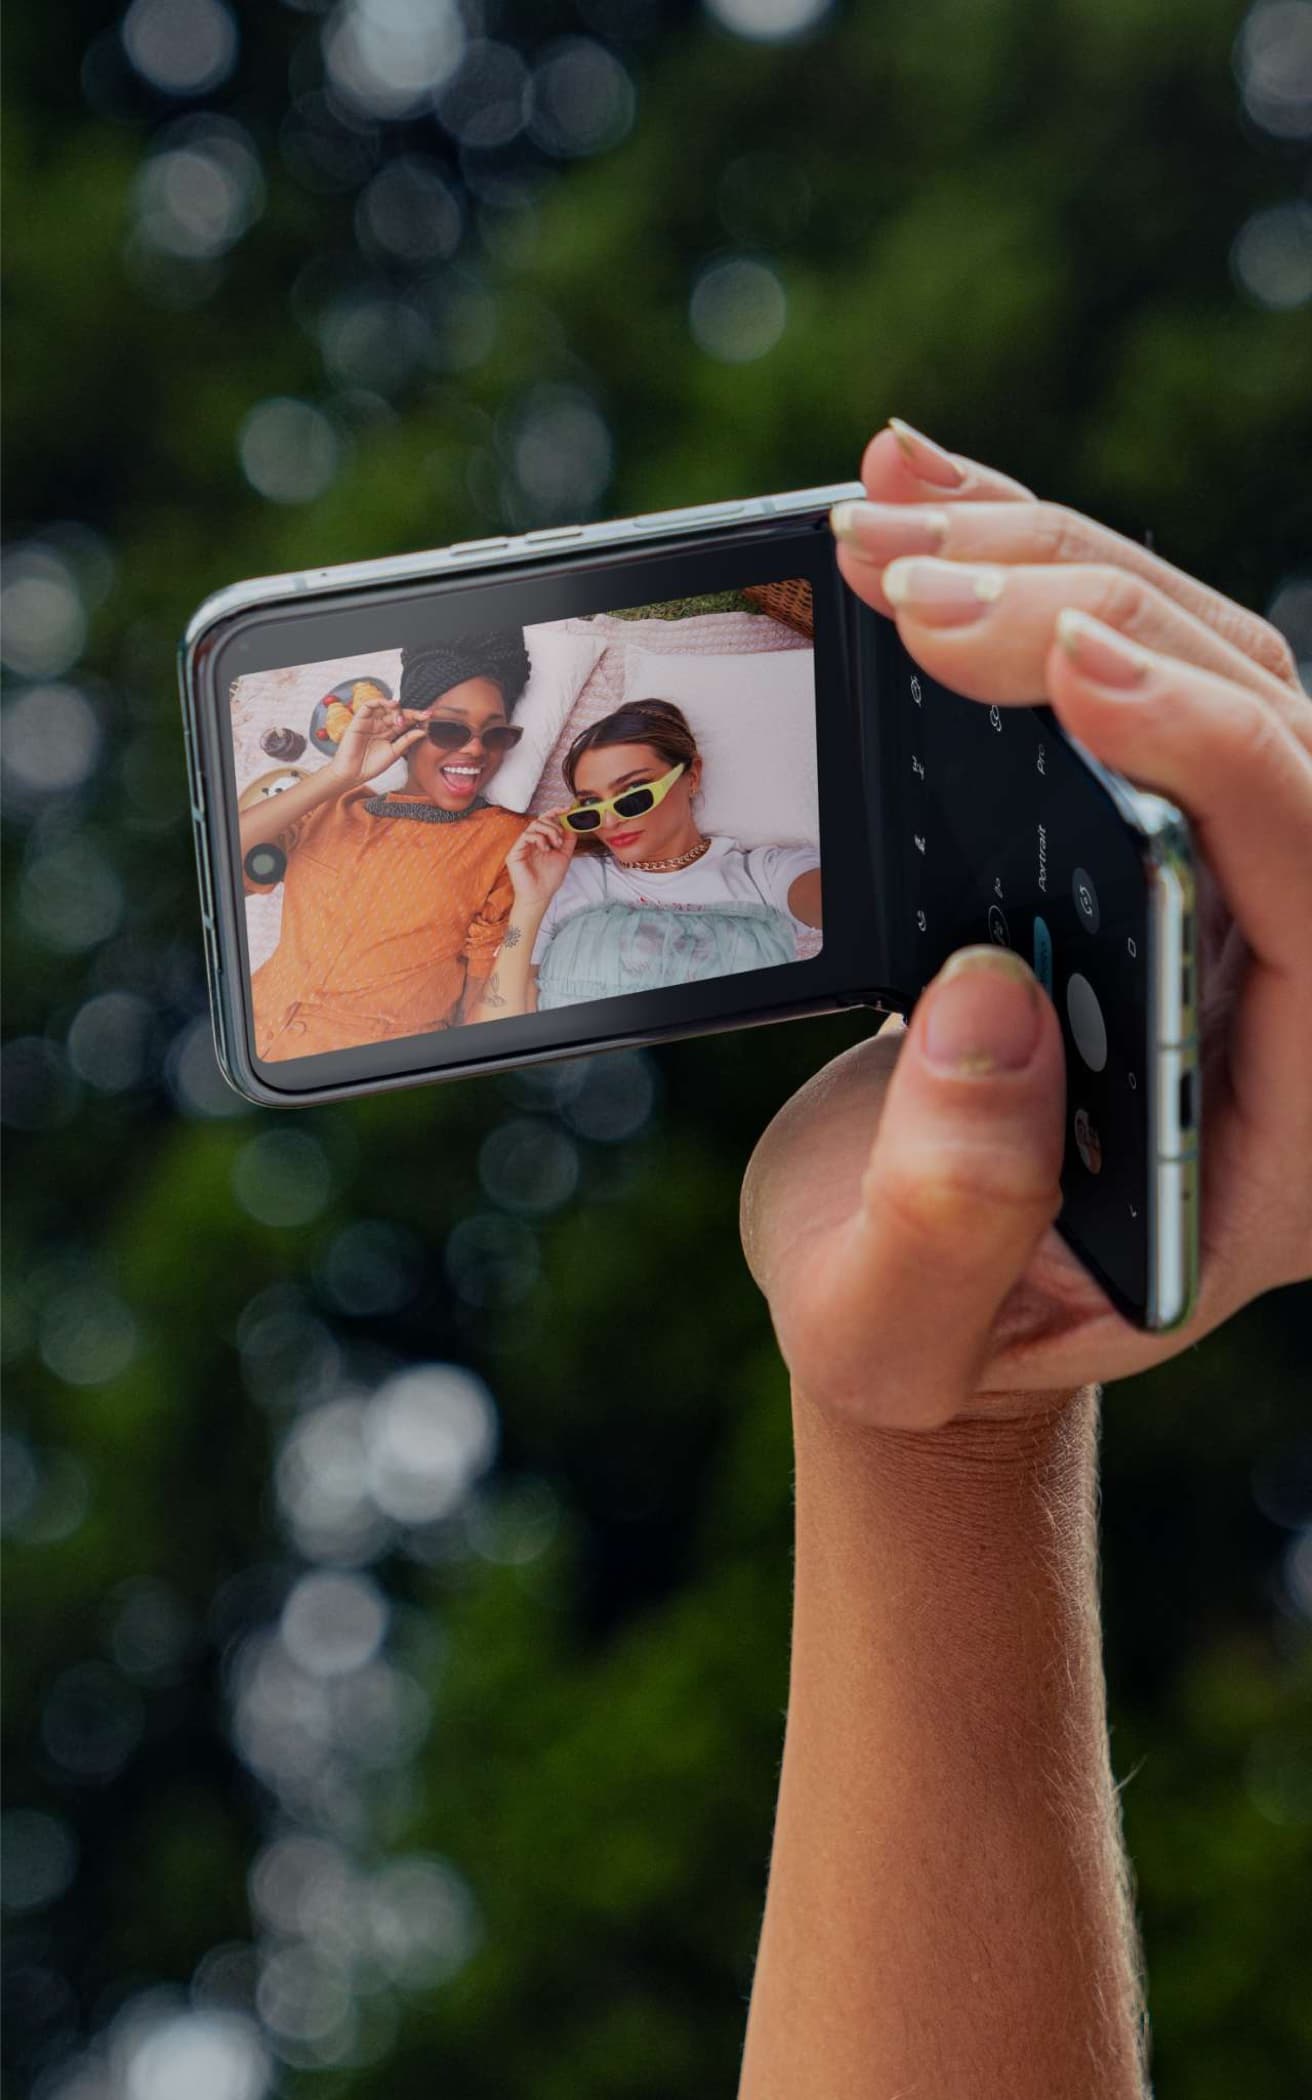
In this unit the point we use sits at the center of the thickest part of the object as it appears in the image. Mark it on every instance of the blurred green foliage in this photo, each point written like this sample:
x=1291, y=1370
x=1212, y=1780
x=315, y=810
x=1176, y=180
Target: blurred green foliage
x=1009, y=223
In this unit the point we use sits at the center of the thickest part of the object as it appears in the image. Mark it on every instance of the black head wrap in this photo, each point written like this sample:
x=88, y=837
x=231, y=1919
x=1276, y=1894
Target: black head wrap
x=431, y=668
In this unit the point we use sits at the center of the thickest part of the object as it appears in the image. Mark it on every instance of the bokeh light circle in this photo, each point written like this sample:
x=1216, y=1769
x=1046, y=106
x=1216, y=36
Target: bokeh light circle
x=204, y=2055
x=738, y=310
x=529, y=1165
x=1272, y=256
x=410, y=212
x=1273, y=62
x=429, y=1433
x=385, y=58
x=181, y=47
x=43, y=623
x=38, y=1859
x=88, y=1336
x=769, y=21
x=333, y=1622
x=201, y=189
x=289, y=451
x=51, y=741
x=582, y=99
x=282, y=1178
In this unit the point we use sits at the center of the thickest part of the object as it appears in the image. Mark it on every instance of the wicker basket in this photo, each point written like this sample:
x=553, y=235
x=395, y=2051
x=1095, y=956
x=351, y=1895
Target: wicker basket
x=789, y=601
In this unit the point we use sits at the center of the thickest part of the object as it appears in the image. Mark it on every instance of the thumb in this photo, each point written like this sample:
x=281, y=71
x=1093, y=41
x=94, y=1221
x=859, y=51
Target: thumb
x=961, y=1184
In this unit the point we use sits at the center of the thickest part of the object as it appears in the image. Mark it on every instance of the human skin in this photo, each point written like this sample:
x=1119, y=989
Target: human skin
x=539, y=860
x=379, y=734
x=947, y=1909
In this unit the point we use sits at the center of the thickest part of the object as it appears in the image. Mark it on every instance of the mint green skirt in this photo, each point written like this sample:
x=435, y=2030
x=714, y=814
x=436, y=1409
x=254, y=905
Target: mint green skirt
x=612, y=948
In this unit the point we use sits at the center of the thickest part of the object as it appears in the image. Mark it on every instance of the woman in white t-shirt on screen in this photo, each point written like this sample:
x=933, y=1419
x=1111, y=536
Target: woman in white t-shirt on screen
x=650, y=900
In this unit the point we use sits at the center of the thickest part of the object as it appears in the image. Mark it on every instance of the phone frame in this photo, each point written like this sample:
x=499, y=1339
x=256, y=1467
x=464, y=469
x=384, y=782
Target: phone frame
x=1172, y=1224
x=681, y=533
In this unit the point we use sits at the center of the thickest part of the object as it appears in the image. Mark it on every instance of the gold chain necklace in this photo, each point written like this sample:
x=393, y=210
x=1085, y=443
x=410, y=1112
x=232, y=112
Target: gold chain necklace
x=683, y=860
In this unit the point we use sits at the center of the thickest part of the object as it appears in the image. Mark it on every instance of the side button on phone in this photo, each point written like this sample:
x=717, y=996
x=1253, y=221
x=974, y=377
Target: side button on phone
x=1175, y=1103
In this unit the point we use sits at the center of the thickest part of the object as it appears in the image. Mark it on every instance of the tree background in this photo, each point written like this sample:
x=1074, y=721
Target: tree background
x=397, y=1495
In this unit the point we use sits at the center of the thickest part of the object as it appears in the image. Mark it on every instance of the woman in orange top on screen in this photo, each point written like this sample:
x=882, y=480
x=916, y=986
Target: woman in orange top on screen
x=393, y=905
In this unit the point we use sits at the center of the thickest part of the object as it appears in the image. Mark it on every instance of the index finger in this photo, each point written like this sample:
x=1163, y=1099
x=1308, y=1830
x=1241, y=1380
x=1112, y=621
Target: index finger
x=984, y=629
x=902, y=465
x=1046, y=535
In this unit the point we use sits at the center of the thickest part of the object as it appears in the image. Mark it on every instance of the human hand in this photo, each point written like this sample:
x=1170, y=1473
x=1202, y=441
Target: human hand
x=905, y=1254
x=538, y=862
x=376, y=736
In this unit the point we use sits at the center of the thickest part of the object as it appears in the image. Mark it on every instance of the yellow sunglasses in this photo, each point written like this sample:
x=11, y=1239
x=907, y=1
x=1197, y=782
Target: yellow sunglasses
x=634, y=802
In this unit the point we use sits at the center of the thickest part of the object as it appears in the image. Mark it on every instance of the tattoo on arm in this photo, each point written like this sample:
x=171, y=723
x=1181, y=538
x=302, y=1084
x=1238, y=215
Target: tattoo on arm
x=492, y=992
x=513, y=936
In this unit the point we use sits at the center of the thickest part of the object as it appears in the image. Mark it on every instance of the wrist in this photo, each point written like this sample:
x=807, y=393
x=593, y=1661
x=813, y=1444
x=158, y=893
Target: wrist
x=978, y=1528
x=946, y=1471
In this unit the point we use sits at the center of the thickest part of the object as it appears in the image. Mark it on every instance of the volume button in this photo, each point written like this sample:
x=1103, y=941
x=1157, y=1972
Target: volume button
x=195, y=785
x=203, y=870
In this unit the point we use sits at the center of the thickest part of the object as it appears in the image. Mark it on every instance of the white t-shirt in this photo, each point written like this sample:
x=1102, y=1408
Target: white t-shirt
x=726, y=874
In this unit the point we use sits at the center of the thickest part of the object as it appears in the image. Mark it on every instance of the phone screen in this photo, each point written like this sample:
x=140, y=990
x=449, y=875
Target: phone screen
x=630, y=797
x=1010, y=838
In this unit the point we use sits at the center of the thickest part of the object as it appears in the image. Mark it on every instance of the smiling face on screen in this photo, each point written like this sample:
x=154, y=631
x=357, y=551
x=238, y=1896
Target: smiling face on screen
x=453, y=779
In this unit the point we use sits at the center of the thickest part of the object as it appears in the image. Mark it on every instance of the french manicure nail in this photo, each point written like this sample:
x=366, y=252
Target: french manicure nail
x=943, y=593
x=879, y=532
x=928, y=461
x=983, y=1014
x=1099, y=652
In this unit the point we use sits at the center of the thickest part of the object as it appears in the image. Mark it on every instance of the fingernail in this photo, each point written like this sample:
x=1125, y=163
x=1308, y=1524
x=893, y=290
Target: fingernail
x=1099, y=652
x=983, y=1014
x=879, y=532
x=943, y=593
x=926, y=459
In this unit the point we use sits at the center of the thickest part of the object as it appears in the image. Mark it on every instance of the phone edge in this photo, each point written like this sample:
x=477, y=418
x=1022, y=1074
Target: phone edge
x=1174, y=1146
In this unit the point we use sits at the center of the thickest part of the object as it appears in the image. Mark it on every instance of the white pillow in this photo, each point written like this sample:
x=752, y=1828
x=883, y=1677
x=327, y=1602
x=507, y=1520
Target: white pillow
x=753, y=716
x=561, y=666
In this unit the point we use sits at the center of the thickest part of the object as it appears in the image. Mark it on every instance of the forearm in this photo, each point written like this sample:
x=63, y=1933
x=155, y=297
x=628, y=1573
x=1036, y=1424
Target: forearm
x=947, y=1911
x=510, y=988
x=267, y=820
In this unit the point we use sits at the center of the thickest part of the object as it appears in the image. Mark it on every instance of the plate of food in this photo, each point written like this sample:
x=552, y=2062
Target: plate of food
x=328, y=723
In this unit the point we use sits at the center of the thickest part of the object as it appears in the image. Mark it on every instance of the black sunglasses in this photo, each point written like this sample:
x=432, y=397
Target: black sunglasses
x=453, y=736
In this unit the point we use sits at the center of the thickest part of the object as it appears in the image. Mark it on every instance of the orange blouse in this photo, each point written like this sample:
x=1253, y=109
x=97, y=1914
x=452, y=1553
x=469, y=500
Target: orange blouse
x=389, y=925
